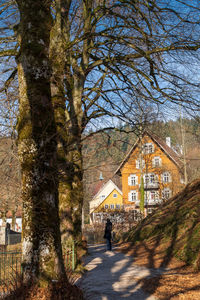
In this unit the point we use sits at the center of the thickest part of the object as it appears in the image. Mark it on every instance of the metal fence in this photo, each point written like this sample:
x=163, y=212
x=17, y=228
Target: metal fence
x=10, y=263
x=70, y=257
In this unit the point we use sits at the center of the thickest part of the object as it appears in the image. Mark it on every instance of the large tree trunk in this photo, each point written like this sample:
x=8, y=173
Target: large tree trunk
x=75, y=152
x=74, y=198
x=37, y=144
x=58, y=58
x=68, y=128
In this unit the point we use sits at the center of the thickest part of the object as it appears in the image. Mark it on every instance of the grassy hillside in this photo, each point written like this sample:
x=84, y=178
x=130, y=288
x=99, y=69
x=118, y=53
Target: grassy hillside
x=176, y=225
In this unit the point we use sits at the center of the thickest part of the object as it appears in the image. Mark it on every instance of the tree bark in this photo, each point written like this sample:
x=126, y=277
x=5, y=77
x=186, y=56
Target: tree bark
x=37, y=146
x=68, y=126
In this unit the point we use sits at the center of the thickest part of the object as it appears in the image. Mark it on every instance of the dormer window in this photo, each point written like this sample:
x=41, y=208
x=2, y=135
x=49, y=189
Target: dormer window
x=148, y=148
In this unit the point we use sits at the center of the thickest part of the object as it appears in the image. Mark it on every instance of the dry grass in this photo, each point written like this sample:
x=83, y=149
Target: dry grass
x=178, y=283
x=56, y=291
x=15, y=289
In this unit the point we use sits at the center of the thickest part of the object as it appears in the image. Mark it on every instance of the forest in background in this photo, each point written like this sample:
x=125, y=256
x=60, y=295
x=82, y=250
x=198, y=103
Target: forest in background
x=102, y=154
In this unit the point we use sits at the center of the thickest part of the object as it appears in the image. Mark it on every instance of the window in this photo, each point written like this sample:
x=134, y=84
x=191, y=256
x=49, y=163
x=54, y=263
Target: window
x=146, y=178
x=166, y=177
x=138, y=163
x=114, y=195
x=149, y=178
x=154, y=195
x=166, y=193
x=150, y=210
x=112, y=206
x=132, y=180
x=132, y=196
x=137, y=215
x=156, y=161
x=117, y=206
x=106, y=206
x=102, y=197
x=148, y=148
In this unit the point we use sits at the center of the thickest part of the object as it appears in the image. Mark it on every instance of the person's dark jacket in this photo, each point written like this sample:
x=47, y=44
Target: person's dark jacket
x=108, y=230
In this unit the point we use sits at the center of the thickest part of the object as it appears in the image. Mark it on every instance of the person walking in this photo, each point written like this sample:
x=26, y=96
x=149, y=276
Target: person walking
x=108, y=234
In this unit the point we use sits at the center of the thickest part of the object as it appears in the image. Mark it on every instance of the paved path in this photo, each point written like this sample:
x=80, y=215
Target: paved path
x=111, y=276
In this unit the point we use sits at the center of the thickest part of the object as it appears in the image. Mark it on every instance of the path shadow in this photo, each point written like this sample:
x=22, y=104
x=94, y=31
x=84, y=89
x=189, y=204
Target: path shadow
x=111, y=275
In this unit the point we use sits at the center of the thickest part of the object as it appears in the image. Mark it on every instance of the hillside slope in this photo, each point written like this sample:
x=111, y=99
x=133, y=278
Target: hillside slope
x=176, y=225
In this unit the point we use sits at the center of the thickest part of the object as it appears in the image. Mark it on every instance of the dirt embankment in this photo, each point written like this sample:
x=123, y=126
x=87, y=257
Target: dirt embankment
x=169, y=238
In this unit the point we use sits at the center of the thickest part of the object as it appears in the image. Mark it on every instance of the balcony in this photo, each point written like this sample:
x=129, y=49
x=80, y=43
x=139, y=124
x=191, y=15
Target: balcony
x=151, y=185
x=149, y=202
x=153, y=202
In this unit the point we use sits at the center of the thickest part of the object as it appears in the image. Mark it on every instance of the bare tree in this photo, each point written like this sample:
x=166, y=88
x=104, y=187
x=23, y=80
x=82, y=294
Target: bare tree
x=106, y=57
x=113, y=56
x=37, y=146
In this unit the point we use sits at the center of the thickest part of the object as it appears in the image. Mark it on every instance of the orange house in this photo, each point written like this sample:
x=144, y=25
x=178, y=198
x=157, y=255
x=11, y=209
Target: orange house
x=160, y=167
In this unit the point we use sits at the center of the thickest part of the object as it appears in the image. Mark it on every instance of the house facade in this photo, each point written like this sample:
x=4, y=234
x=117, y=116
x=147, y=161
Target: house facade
x=153, y=168
x=108, y=198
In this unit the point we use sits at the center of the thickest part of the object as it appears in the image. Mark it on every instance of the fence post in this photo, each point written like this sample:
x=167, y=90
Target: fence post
x=73, y=256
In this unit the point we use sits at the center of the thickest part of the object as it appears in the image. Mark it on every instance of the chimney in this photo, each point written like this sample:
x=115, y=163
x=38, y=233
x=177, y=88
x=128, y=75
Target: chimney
x=168, y=141
x=101, y=176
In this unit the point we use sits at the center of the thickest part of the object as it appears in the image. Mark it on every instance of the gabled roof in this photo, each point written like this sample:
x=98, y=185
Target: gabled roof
x=100, y=201
x=104, y=186
x=168, y=151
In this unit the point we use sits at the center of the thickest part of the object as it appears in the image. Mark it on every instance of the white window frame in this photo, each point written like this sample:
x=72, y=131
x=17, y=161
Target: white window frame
x=166, y=175
x=148, y=148
x=133, y=196
x=103, y=197
x=117, y=206
x=148, y=196
x=158, y=159
x=112, y=206
x=155, y=197
x=150, y=178
x=146, y=178
x=132, y=180
x=168, y=192
x=114, y=195
x=106, y=206
x=138, y=163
